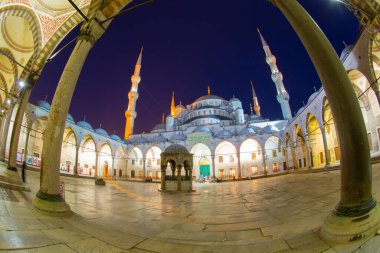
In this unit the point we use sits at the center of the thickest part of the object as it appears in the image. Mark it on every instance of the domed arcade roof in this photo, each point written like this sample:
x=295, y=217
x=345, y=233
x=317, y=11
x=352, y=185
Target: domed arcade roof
x=85, y=124
x=176, y=149
x=247, y=131
x=115, y=137
x=101, y=132
x=312, y=96
x=178, y=137
x=223, y=134
x=202, y=129
x=70, y=118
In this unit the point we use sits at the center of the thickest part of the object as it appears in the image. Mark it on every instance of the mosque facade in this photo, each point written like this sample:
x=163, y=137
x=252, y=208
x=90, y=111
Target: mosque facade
x=227, y=142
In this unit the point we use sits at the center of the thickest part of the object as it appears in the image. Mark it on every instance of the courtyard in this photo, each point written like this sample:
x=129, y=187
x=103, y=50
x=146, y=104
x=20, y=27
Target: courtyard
x=274, y=214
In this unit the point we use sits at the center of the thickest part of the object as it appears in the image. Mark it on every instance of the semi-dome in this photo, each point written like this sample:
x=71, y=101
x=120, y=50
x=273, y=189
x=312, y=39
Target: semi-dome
x=234, y=100
x=43, y=104
x=139, y=139
x=247, y=131
x=202, y=129
x=313, y=96
x=70, y=117
x=176, y=149
x=223, y=134
x=101, y=132
x=269, y=129
x=208, y=97
x=158, y=138
x=85, y=124
x=115, y=137
x=178, y=137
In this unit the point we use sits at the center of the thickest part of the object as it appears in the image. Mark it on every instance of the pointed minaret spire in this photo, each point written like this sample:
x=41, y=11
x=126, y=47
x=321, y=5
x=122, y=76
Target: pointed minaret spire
x=208, y=90
x=282, y=94
x=256, y=105
x=172, y=106
x=163, y=118
x=133, y=95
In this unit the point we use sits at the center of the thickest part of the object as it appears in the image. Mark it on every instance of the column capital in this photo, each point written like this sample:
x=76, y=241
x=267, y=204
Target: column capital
x=92, y=30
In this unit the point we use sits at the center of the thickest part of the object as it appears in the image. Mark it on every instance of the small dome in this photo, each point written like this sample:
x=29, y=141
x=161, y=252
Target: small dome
x=247, y=131
x=269, y=129
x=312, y=97
x=223, y=134
x=43, y=104
x=254, y=117
x=158, y=138
x=202, y=129
x=101, y=132
x=85, y=124
x=159, y=127
x=127, y=142
x=176, y=149
x=70, y=118
x=178, y=137
x=180, y=107
x=115, y=137
x=346, y=51
x=300, y=110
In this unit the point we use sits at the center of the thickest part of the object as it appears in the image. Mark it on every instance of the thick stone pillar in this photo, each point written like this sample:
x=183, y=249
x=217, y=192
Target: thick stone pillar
x=163, y=177
x=239, y=165
x=113, y=168
x=25, y=155
x=23, y=102
x=76, y=160
x=144, y=161
x=4, y=135
x=357, y=215
x=325, y=147
x=48, y=197
x=294, y=155
x=179, y=168
x=191, y=178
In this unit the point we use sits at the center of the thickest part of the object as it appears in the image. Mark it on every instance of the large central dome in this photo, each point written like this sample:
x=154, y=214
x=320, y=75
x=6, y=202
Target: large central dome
x=208, y=97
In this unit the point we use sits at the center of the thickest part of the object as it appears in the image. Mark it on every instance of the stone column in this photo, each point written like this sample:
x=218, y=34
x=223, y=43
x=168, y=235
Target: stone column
x=144, y=160
x=308, y=159
x=76, y=160
x=213, y=166
x=179, y=168
x=113, y=167
x=239, y=165
x=96, y=165
x=4, y=135
x=357, y=215
x=264, y=162
x=23, y=102
x=48, y=197
x=326, y=148
x=25, y=156
x=163, y=177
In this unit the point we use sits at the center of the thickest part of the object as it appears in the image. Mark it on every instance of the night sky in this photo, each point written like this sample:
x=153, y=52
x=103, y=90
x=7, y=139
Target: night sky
x=187, y=46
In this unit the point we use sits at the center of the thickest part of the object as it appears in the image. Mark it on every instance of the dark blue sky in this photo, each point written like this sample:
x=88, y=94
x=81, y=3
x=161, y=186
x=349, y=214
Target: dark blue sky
x=187, y=46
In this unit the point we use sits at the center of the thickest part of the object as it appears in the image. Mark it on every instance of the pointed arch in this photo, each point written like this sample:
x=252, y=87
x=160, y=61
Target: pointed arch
x=202, y=161
x=251, y=158
x=226, y=160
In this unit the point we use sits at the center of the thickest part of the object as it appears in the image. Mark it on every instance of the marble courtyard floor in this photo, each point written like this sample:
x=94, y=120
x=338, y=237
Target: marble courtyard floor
x=276, y=214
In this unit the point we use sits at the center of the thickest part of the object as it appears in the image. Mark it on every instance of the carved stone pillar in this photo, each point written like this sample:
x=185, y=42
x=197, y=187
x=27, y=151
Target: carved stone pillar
x=179, y=168
x=4, y=135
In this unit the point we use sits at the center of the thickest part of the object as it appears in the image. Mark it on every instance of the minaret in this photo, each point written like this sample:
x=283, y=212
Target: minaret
x=133, y=95
x=256, y=105
x=208, y=90
x=282, y=94
x=172, y=106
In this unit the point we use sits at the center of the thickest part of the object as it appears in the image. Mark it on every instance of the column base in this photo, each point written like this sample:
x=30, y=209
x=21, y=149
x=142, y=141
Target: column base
x=344, y=229
x=51, y=204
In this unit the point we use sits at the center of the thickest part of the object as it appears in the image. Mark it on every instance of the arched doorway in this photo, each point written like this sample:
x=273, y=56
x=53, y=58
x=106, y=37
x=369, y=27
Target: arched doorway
x=300, y=148
x=202, y=161
x=135, y=163
x=87, y=157
x=153, y=163
x=35, y=142
x=120, y=162
x=332, y=144
x=226, y=165
x=251, y=158
x=68, y=152
x=317, y=151
x=275, y=155
x=105, y=163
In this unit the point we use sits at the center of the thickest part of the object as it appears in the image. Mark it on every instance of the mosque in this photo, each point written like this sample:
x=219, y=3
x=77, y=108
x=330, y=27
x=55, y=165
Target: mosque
x=227, y=142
